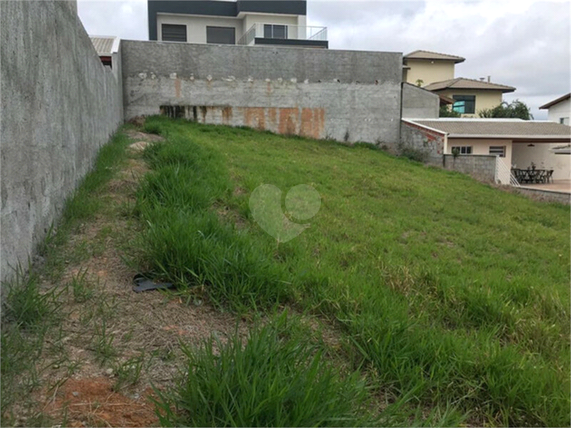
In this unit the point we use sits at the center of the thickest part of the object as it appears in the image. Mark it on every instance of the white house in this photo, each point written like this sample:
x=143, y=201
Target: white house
x=241, y=22
x=559, y=110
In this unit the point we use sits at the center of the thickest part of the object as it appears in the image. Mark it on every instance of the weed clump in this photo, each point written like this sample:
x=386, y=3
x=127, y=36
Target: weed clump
x=275, y=378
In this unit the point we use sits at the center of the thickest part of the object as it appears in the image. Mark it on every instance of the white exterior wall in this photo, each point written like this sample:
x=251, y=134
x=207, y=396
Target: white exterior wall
x=196, y=25
x=559, y=111
x=543, y=158
x=481, y=147
x=291, y=20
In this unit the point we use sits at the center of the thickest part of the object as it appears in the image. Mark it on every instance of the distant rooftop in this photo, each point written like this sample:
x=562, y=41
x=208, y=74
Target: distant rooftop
x=463, y=83
x=420, y=54
x=105, y=45
x=516, y=129
x=556, y=101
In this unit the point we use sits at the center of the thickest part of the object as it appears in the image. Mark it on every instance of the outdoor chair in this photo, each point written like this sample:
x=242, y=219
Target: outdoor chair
x=549, y=176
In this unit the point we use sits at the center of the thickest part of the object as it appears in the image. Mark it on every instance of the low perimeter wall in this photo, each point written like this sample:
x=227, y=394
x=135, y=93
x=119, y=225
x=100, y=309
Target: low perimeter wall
x=428, y=143
x=58, y=106
x=545, y=195
x=343, y=95
x=481, y=167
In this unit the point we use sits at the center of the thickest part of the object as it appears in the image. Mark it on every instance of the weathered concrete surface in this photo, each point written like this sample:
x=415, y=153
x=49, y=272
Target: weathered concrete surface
x=58, y=106
x=430, y=143
x=418, y=103
x=481, y=167
x=343, y=95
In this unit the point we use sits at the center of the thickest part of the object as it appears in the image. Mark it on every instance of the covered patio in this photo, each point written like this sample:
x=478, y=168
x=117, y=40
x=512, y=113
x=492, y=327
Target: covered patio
x=527, y=152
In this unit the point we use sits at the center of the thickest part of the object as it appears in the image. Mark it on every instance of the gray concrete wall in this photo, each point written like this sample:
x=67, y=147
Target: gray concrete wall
x=481, y=167
x=418, y=103
x=58, y=106
x=544, y=195
x=343, y=95
x=428, y=143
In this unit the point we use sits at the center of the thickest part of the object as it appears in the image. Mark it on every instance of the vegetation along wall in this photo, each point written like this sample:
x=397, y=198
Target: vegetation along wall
x=59, y=105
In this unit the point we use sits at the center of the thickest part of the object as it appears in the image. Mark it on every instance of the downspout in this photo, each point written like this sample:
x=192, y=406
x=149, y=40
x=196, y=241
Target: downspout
x=445, y=149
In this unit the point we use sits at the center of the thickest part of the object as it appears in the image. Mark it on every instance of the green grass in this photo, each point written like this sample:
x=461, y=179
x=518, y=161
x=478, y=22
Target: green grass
x=276, y=377
x=455, y=293
x=29, y=312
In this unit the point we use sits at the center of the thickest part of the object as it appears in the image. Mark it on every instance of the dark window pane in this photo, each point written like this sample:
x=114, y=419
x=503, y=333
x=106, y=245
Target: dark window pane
x=272, y=31
x=464, y=104
x=221, y=35
x=173, y=33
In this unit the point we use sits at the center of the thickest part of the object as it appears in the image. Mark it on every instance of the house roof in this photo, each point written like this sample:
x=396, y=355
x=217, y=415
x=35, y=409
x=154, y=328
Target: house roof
x=514, y=129
x=420, y=54
x=105, y=45
x=463, y=83
x=556, y=101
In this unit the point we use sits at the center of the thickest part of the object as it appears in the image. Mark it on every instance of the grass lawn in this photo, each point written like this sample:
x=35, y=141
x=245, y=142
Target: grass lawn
x=452, y=296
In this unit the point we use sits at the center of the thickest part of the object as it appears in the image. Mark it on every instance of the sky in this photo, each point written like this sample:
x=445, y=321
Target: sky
x=523, y=43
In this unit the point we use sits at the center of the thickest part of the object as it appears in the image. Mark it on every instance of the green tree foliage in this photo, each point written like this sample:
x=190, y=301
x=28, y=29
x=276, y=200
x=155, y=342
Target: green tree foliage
x=447, y=112
x=515, y=110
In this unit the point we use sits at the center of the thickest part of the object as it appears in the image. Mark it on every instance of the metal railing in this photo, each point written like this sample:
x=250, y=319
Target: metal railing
x=504, y=174
x=282, y=31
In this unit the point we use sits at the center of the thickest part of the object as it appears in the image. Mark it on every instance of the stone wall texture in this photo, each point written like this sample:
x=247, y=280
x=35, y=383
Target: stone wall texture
x=481, y=167
x=429, y=143
x=342, y=95
x=59, y=105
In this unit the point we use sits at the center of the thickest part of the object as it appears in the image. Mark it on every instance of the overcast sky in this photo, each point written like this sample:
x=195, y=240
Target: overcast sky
x=521, y=43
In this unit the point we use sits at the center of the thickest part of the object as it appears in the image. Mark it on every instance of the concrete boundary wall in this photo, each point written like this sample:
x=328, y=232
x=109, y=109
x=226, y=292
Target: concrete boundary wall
x=427, y=142
x=545, y=195
x=59, y=105
x=481, y=167
x=343, y=95
x=418, y=103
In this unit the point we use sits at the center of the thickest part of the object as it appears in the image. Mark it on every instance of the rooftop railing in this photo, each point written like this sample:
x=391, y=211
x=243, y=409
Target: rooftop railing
x=282, y=31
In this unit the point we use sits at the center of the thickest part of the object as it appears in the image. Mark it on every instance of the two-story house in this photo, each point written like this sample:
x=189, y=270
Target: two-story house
x=242, y=22
x=436, y=72
x=559, y=110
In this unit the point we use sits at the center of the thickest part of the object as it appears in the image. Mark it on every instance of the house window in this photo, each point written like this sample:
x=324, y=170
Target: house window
x=462, y=150
x=173, y=33
x=564, y=120
x=498, y=151
x=221, y=35
x=272, y=31
x=464, y=104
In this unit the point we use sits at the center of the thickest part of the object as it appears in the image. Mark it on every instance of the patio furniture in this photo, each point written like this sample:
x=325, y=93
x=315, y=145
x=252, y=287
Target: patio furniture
x=532, y=175
x=549, y=176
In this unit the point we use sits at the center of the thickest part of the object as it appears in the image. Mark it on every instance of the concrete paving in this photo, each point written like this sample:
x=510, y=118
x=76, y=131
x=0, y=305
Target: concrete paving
x=556, y=186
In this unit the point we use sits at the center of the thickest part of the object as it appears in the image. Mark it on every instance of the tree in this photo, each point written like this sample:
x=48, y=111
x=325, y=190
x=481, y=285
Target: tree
x=515, y=110
x=447, y=112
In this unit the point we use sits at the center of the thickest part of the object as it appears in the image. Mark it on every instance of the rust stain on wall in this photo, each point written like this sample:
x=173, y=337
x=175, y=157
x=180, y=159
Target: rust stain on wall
x=312, y=122
x=226, y=115
x=204, y=112
x=177, y=88
x=255, y=117
x=288, y=121
x=272, y=118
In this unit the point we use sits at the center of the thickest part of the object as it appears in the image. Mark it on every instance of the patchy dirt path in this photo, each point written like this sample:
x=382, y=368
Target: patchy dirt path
x=114, y=345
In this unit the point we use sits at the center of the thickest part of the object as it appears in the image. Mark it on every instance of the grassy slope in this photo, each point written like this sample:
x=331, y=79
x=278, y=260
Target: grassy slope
x=456, y=293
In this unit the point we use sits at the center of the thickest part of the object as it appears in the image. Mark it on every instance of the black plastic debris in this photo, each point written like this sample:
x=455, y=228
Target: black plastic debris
x=143, y=283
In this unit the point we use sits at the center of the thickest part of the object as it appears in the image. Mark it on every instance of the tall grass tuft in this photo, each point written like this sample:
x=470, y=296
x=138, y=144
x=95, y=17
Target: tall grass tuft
x=276, y=377
x=185, y=241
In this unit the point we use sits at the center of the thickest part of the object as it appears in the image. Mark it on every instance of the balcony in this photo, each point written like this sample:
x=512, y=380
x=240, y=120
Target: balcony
x=285, y=35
